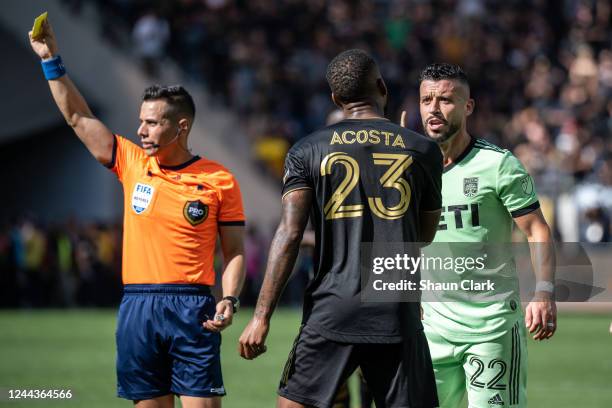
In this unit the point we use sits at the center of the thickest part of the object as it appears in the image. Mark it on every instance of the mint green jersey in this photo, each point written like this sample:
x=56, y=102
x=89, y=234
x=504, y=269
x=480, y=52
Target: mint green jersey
x=482, y=191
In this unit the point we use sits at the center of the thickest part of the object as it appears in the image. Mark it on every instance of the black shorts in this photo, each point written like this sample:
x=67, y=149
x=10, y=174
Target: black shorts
x=398, y=375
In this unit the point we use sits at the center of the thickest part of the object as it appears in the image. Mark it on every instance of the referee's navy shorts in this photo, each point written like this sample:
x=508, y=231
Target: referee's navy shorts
x=162, y=347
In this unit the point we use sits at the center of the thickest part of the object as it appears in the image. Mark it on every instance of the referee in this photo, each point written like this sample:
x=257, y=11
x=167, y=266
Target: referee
x=361, y=180
x=175, y=206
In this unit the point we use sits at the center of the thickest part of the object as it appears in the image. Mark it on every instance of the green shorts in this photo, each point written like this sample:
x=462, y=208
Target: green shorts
x=493, y=372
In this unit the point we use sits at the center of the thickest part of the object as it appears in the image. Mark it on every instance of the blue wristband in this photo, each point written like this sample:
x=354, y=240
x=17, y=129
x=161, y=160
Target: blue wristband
x=53, y=68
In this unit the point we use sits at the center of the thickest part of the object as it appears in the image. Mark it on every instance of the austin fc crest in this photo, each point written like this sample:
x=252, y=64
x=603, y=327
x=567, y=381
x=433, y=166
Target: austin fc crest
x=470, y=186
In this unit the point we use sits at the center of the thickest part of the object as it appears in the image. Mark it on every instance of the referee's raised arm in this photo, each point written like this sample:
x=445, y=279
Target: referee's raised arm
x=93, y=133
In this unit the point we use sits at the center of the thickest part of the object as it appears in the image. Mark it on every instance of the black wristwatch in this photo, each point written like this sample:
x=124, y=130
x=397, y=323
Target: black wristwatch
x=235, y=302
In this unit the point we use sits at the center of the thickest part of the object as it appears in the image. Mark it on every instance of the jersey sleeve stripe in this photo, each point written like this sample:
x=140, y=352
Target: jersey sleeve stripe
x=111, y=164
x=483, y=144
x=231, y=223
x=525, y=210
x=296, y=189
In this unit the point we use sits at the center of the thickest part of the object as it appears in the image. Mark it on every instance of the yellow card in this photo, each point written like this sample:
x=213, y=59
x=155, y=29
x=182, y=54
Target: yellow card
x=37, y=28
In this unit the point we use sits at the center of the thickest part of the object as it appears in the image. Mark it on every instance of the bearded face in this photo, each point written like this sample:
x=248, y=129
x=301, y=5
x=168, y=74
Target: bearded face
x=444, y=106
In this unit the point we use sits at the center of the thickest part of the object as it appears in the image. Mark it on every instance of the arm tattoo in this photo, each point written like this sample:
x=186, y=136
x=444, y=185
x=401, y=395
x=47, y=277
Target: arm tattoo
x=284, y=250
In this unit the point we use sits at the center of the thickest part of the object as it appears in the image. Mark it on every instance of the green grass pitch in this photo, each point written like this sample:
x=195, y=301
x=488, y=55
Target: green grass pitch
x=74, y=349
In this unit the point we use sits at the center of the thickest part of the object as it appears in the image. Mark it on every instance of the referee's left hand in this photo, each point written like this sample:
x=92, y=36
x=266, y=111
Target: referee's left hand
x=217, y=323
x=45, y=46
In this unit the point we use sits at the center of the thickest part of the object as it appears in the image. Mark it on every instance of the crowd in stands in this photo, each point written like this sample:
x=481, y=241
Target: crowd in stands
x=540, y=71
x=59, y=265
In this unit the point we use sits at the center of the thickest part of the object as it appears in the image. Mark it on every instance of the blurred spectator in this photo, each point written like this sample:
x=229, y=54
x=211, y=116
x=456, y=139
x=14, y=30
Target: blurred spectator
x=594, y=202
x=32, y=280
x=151, y=34
x=255, y=249
x=270, y=150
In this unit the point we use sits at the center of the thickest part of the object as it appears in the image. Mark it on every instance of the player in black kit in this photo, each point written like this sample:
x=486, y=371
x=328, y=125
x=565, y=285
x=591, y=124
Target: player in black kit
x=361, y=180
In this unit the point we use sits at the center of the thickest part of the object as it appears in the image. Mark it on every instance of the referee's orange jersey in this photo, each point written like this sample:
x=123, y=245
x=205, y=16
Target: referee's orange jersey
x=171, y=215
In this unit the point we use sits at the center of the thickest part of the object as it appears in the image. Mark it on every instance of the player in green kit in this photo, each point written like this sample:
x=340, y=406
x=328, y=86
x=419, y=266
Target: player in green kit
x=481, y=346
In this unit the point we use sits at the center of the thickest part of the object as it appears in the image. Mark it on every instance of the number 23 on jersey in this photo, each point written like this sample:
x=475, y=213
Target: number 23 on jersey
x=397, y=164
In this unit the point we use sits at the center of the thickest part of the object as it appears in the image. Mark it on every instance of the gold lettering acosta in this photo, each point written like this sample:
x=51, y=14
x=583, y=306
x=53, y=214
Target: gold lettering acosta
x=398, y=142
x=371, y=136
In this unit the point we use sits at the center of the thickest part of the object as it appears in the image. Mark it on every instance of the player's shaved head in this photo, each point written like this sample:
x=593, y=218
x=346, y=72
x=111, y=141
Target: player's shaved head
x=179, y=102
x=352, y=76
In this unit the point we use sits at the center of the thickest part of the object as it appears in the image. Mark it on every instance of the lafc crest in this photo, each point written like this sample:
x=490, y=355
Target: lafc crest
x=470, y=186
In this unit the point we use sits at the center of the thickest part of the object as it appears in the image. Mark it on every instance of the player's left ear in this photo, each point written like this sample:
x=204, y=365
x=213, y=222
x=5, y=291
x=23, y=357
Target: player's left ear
x=469, y=106
x=336, y=101
x=184, y=124
x=382, y=87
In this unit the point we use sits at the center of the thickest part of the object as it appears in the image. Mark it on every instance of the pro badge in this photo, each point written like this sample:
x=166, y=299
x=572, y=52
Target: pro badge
x=195, y=212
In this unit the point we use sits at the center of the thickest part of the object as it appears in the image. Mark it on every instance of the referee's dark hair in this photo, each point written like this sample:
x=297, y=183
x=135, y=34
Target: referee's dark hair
x=177, y=97
x=349, y=75
x=440, y=71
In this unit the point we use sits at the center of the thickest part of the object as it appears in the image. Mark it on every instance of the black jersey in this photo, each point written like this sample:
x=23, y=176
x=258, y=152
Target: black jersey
x=371, y=179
